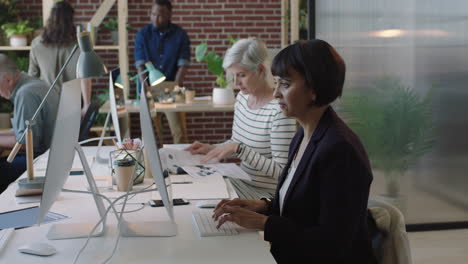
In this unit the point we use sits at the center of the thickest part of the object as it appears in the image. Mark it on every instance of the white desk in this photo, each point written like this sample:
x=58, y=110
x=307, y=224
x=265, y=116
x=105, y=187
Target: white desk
x=186, y=247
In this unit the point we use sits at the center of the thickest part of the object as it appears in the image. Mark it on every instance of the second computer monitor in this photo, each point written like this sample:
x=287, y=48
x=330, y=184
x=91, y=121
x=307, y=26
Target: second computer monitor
x=151, y=149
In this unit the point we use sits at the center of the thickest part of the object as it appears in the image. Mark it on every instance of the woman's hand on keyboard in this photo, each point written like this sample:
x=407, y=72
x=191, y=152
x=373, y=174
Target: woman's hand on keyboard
x=241, y=216
x=257, y=206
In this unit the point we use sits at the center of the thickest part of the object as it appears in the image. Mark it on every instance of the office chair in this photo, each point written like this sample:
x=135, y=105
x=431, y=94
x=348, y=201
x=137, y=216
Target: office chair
x=88, y=120
x=390, y=221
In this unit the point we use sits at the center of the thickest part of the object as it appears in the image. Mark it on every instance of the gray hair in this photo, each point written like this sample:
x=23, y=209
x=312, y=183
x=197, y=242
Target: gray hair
x=248, y=53
x=7, y=65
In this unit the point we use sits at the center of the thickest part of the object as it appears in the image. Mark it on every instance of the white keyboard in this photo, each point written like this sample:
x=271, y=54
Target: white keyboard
x=206, y=226
x=5, y=235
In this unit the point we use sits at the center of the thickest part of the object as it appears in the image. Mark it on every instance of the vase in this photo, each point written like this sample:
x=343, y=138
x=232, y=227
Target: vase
x=18, y=41
x=223, y=96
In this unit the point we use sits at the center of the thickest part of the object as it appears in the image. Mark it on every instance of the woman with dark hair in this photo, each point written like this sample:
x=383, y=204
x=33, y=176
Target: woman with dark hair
x=319, y=213
x=50, y=51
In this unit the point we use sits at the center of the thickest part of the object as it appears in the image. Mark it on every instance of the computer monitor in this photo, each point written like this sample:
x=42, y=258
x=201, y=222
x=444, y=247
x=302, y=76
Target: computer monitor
x=113, y=103
x=61, y=155
x=162, y=180
x=113, y=114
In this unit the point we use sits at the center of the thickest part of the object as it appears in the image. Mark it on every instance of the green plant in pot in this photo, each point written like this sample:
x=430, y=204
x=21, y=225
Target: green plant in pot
x=214, y=62
x=8, y=13
x=112, y=24
x=17, y=32
x=395, y=125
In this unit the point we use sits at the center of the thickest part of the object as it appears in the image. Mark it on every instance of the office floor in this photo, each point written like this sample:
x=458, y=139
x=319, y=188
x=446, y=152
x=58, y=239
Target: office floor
x=439, y=247
x=434, y=247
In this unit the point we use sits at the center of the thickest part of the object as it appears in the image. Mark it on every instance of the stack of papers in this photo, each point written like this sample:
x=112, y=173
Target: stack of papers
x=172, y=159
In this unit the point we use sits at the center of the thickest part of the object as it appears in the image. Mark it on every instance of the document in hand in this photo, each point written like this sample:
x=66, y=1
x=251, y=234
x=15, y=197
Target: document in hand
x=171, y=159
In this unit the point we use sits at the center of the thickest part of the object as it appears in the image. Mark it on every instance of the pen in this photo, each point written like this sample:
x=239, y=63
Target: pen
x=186, y=182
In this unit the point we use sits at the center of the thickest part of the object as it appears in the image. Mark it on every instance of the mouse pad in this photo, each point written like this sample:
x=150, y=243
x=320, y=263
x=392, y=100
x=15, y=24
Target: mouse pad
x=26, y=217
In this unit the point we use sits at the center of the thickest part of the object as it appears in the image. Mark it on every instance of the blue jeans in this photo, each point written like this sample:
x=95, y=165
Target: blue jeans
x=9, y=172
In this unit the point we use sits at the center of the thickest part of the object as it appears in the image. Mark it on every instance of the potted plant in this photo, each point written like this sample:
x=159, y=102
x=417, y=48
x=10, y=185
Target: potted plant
x=395, y=126
x=17, y=32
x=112, y=24
x=5, y=113
x=8, y=12
x=221, y=94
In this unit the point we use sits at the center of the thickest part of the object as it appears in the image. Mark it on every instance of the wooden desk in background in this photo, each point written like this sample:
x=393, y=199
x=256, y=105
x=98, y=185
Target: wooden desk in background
x=181, y=109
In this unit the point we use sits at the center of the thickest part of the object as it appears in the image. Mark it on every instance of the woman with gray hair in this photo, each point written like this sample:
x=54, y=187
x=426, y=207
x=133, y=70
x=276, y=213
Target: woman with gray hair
x=261, y=133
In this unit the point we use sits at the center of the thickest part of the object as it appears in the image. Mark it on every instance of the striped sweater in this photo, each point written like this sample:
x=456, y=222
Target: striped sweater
x=265, y=134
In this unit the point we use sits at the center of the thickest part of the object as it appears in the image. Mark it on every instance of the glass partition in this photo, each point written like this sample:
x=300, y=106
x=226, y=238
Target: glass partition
x=406, y=93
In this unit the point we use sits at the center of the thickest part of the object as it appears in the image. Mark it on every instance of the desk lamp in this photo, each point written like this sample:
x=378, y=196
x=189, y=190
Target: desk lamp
x=155, y=77
x=89, y=65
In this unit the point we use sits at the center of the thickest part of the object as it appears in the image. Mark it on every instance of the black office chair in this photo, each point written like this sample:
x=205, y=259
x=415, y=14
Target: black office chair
x=88, y=120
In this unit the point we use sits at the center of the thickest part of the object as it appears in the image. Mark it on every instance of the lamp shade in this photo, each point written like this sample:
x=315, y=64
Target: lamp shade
x=89, y=64
x=118, y=82
x=155, y=77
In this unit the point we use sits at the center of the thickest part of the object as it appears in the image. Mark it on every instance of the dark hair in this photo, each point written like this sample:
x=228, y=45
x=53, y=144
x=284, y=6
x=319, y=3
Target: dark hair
x=60, y=30
x=319, y=63
x=166, y=3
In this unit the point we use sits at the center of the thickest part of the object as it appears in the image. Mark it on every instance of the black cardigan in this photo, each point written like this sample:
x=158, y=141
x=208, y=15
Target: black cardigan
x=325, y=207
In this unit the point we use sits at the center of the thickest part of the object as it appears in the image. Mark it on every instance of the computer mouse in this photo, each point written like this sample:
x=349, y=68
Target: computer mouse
x=38, y=248
x=207, y=203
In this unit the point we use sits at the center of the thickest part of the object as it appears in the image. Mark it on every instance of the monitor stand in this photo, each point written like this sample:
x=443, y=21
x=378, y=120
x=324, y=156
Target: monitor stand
x=148, y=229
x=98, y=158
x=82, y=230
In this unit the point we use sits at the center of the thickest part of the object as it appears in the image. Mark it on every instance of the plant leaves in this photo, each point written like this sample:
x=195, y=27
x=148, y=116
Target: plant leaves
x=200, y=51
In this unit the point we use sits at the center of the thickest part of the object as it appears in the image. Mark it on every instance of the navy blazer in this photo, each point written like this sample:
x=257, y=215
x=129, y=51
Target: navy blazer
x=324, y=216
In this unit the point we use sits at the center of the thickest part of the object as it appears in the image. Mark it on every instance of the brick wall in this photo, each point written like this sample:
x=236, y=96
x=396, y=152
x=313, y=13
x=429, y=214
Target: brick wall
x=204, y=20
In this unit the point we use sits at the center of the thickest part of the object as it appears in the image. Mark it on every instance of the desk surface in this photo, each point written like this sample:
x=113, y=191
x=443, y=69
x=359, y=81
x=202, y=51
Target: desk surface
x=202, y=106
x=186, y=247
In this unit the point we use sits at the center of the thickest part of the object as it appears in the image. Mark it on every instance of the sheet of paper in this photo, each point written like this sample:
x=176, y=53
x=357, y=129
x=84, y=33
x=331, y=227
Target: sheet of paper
x=219, y=169
x=172, y=158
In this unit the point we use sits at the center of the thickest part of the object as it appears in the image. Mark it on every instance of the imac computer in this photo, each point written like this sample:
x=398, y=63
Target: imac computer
x=113, y=114
x=61, y=154
x=162, y=181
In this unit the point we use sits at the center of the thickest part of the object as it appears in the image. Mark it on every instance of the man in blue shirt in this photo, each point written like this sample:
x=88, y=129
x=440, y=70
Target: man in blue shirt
x=167, y=46
x=26, y=93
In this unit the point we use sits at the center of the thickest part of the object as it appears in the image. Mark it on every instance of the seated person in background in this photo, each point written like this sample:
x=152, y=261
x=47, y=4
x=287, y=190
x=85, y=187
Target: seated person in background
x=319, y=213
x=50, y=50
x=26, y=93
x=260, y=133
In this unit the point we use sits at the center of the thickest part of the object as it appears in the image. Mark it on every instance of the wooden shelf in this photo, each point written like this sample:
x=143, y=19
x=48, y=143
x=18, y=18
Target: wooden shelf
x=97, y=47
x=15, y=48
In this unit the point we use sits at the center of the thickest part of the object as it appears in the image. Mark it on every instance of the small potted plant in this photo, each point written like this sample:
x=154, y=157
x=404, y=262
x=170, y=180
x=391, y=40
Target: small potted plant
x=221, y=94
x=395, y=125
x=112, y=24
x=5, y=113
x=18, y=33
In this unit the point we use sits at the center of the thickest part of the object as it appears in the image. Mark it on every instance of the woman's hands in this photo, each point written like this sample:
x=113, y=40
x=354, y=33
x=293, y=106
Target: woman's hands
x=213, y=152
x=243, y=212
x=199, y=148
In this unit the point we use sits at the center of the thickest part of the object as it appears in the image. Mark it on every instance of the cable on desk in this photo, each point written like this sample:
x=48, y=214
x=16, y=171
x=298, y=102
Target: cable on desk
x=111, y=206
